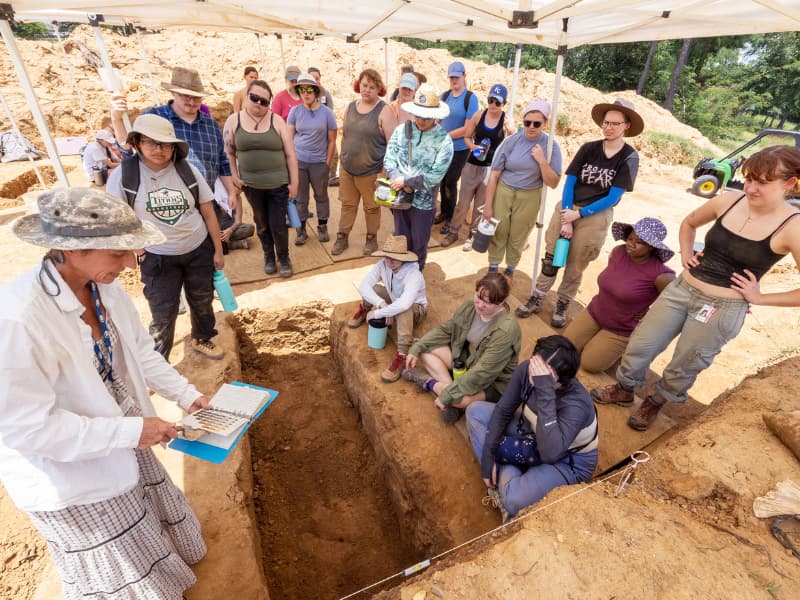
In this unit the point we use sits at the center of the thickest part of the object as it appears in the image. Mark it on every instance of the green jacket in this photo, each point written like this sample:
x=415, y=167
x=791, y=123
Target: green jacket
x=493, y=361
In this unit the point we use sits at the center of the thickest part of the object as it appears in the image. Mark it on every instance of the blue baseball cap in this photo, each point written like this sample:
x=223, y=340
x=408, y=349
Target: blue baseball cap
x=456, y=69
x=498, y=91
x=408, y=81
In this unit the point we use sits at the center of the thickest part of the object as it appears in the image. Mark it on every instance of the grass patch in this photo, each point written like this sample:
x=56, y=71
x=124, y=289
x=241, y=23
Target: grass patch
x=680, y=150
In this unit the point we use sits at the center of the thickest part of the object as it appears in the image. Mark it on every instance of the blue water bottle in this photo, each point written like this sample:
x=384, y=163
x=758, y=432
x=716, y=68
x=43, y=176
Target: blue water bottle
x=482, y=150
x=225, y=292
x=292, y=214
x=560, y=255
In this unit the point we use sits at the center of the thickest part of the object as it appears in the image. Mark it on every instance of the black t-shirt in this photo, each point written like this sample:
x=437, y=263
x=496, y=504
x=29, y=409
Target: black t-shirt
x=597, y=174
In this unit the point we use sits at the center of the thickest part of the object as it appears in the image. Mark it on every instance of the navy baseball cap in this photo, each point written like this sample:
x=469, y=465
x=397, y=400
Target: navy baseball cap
x=498, y=91
x=456, y=69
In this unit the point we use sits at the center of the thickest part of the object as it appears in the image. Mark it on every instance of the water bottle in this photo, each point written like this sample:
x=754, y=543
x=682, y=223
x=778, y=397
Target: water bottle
x=225, y=292
x=561, y=251
x=486, y=229
x=459, y=368
x=291, y=213
x=482, y=150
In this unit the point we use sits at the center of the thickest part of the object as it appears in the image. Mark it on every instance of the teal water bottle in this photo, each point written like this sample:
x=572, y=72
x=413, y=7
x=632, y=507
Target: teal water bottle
x=560, y=255
x=225, y=292
x=292, y=214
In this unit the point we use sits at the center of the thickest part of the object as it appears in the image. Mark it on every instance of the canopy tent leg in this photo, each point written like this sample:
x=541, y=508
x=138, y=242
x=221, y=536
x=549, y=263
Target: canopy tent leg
x=386, y=62
x=21, y=139
x=261, y=57
x=86, y=114
x=146, y=60
x=110, y=79
x=283, y=58
x=514, y=81
x=33, y=103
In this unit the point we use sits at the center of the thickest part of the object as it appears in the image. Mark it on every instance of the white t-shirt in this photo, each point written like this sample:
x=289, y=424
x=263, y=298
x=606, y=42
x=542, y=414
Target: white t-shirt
x=93, y=156
x=164, y=201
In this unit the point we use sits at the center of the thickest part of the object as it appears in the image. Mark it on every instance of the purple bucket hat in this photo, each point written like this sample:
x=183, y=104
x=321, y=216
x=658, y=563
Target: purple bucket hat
x=650, y=230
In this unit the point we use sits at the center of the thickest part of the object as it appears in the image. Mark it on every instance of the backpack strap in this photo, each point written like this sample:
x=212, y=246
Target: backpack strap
x=467, y=96
x=189, y=180
x=409, y=131
x=130, y=177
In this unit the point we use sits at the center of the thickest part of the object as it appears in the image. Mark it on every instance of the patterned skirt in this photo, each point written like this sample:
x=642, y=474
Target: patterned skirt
x=136, y=545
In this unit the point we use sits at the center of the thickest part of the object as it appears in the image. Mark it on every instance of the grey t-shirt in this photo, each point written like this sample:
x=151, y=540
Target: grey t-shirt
x=516, y=165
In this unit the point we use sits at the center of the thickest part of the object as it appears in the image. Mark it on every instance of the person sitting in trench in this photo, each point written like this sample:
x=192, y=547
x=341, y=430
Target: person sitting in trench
x=394, y=289
x=635, y=276
x=541, y=434
x=482, y=337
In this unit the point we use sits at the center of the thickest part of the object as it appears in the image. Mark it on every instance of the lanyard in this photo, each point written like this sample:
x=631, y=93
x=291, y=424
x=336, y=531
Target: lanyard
x=106, y=368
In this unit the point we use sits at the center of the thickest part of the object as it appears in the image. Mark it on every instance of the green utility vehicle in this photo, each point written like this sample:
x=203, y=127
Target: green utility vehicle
x=711, y=176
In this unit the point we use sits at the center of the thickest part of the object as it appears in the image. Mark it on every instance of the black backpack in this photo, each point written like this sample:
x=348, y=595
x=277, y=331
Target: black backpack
x=131, y=178
x=467, y=96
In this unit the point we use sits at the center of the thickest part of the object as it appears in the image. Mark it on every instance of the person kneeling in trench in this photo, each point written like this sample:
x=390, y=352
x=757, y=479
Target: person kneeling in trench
x=480, y=342
x=541, y=434
x=394, y=290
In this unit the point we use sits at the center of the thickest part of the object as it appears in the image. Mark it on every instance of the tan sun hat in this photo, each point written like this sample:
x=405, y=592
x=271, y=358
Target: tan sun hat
x=158, y=129
x=185, y=81
x=625, y=107
x=426, y=104
x=396, y=247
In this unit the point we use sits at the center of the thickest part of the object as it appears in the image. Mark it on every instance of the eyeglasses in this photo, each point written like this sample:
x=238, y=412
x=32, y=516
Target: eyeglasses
x=612, y=123
x=188, y=98
x=258, y=99
x=495, y=101
x=306, y=90
x=535, y=124
x=152, y=144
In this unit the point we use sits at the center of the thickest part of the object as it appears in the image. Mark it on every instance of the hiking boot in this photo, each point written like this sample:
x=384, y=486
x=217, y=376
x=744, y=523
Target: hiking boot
x=612, y=394
x=270, y=266
x=207, y=348
x=493, y=499
x=333, y=182
x=357, y=320
x=302, y=235
x=340, y=245
x=322, y=233
x=371, y=244
x=532, y=306
x=286, y=268
x=438, y=219
x=239, y=245
x=450, y=239
x=417, y=376
x=647, y=413
x=451, y=415
x=560, y=314
x=445, y=228
x=467, y=245
x=392, y=372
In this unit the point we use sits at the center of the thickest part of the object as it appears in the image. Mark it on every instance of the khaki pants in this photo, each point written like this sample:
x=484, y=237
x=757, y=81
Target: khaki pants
x=404, y=322
x=588, y=235
x=473, y=185
x=600, y=348
x=517, y=211
x=351, y=190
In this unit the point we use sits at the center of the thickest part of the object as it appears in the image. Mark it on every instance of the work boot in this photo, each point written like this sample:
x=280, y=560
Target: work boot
x=647, y=413
x=371, y=245
x=532, y=306
x=270, y=267
x=207, y=348
x=392, y=372
x=322, y=233
x=357, y=320
x=560, y=314
x=493, y=499
x=612, y=394
x=450, y=239
x=341, y=244
x=286, y=268
x=302, y=235
x=417, y=376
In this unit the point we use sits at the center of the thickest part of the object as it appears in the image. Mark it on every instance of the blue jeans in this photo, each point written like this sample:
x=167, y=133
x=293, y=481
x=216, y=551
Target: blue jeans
x=518, y=488
x=673, y=314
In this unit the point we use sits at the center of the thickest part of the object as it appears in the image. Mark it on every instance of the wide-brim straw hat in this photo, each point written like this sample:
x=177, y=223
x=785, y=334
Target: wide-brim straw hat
x=624, y=106
x=426, y=104
x=650, y=230
x=185, y=81
x=158, y=129
x=85, y=219
x=396, y=247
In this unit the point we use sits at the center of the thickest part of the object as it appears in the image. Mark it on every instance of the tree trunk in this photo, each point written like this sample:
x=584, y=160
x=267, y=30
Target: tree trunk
x=646, y=70
x=683, y=57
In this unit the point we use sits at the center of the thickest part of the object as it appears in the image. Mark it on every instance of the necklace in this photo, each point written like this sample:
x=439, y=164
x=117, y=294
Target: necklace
x=747, y=222
x=256, y=121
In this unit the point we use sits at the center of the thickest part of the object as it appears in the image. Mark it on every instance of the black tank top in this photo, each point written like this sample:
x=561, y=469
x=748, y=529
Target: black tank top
x=495, y=136
x=726, y=253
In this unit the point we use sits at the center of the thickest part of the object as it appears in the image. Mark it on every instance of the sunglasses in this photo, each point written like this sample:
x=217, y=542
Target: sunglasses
x=258, y=99
x=495, y=101
x=306, y=90
x=535, y=124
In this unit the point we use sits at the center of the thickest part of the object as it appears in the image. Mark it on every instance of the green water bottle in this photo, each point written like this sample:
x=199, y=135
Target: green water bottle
x=459, y=368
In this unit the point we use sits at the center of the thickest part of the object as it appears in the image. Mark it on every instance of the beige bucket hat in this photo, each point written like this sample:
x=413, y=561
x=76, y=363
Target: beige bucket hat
x=396, y=247
x=185, y=81
x=158, y=129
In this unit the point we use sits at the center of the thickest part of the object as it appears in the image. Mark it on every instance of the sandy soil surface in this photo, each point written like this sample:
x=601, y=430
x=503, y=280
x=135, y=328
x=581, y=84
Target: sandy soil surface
x=719, y=483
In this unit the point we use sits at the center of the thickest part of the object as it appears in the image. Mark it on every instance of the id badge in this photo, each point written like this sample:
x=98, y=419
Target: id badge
x=705, y=313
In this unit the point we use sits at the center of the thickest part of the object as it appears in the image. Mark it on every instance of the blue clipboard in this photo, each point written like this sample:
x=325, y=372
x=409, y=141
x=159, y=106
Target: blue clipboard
x=215, y=454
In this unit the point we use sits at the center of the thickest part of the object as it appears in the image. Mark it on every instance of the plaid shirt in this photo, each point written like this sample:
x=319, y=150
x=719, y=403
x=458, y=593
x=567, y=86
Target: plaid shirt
x=206, y=149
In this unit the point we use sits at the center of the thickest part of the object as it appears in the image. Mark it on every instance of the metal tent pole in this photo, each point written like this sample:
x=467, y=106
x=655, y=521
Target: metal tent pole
x=514, y=80
x=27, y=88
x=261, y=57
x=87, y=115
x=386, y=62
x=110, y=79
x=283, y=58
x=21, y=139
x=146, y=60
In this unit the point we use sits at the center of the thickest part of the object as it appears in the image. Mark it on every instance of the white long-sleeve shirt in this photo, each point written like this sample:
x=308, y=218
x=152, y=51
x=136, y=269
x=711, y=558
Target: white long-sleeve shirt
x=406, y=288
x=63, y=437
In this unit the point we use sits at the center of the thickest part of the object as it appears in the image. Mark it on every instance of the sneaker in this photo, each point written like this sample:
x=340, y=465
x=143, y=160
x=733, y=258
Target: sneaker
x=560, y=314
x=417, y=376
x=340, y=245
x=322, y=233
x=270, y=266
x=392, y=372
x=451, y=415
x=450, y=239
x=647, y=413
x=371, y=244
x=493, y=499
x=612, y=394
x=532, y=306
x=286, y=269
x=207, y=348
x=468, y=245
x=357, y=320
x=445, y=228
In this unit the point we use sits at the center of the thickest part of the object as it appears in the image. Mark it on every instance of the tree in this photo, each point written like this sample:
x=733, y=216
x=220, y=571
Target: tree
x=648, y=62
x=683, y=57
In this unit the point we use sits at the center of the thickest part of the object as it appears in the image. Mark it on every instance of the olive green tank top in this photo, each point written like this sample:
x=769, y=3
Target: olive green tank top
x=260, y=156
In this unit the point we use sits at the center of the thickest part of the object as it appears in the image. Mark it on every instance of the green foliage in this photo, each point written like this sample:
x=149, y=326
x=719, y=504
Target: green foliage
x=680, y=149
x=29, y=31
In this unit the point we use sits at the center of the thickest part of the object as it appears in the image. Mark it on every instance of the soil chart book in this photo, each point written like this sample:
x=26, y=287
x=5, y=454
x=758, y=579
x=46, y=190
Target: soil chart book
x=233, y=409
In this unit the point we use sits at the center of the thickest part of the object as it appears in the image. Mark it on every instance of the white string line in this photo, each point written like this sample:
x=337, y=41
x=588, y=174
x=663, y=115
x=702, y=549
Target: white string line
x=427, y=562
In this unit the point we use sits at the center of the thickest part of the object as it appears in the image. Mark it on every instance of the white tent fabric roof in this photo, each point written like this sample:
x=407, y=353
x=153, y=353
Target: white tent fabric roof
x=590, y=21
